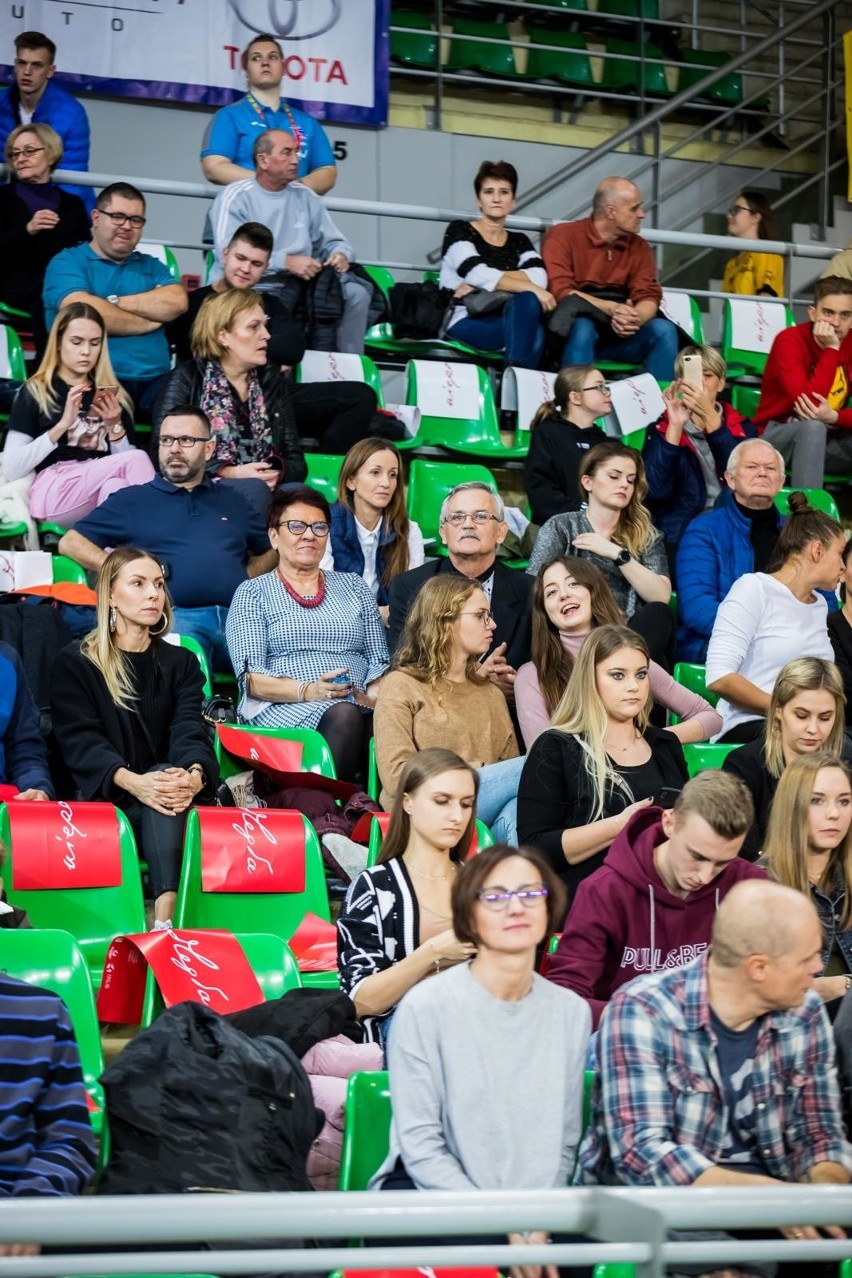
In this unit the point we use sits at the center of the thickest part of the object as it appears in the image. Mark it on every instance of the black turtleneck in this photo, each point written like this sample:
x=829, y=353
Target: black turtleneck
x=763, y=533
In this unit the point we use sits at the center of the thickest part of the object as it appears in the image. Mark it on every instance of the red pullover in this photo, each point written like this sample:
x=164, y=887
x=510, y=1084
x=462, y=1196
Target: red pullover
x=797, y=366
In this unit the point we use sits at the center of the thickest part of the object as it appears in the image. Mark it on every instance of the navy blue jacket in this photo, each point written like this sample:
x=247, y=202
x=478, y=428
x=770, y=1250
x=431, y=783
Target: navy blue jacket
x=677, y=492
x=23, y=754
x=67, y=117
x=346, y=548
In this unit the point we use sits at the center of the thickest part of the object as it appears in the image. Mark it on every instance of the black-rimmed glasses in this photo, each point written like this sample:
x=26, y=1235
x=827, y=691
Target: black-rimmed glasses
x=298, y=526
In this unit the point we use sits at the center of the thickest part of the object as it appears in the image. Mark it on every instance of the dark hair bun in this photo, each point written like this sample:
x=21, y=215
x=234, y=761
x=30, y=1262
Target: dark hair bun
x=798, y=503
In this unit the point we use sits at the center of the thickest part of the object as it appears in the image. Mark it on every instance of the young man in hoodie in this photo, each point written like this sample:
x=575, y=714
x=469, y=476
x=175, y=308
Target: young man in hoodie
x=651, y=904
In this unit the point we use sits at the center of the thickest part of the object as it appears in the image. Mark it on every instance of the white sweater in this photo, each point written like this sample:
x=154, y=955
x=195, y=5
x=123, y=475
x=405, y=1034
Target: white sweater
x=759, y=627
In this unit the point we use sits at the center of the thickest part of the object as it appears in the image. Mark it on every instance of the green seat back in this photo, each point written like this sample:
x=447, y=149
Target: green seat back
x=373, y=785
x=316, y=753
x=429, y=482
x=323, y=473
x=817, y=497
x=418, y=44
x=630, y=8
x=12, y=363
x=458, y=411
x=53, y=960
x=752, y=358
x=193, y=646
x=65, y=569
x=93, y=916
x=163, y=254
x=566, y=58
x=635, y=438
x=745, y=399
x=728, y=91
x=684, y=311
x=471, y=48
x=702, y=754
x=619, y=75
x=693, y=676
x=366, y=1133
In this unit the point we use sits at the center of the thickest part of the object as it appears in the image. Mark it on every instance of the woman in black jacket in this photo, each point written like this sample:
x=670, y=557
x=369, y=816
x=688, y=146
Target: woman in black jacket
x=126, y=711
x=247, y=400
x=561, y=433
x=37, y=220
x=600, y=762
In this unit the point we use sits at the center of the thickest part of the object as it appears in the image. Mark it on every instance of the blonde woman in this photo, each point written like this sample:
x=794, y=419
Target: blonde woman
x=805, y=716
x=601, y=761
x=71, y=424
x=435, y=695
x=126, y=710
x=614, y=531
x=809, y=848
x=561, y=432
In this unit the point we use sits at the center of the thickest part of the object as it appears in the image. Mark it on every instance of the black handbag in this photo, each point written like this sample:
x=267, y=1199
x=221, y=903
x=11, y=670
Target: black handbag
x=484, y=301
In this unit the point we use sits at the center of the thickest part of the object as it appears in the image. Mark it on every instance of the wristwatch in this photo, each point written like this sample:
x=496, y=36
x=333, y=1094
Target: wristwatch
x=623, y=557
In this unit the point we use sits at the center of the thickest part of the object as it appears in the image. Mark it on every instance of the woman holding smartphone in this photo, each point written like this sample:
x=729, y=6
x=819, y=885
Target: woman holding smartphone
x=70, y=424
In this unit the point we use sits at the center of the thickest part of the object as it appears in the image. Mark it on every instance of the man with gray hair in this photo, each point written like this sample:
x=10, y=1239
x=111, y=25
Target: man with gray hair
x=719, y=546
x=722, y=1072
x=305, y=240
x=472, y=526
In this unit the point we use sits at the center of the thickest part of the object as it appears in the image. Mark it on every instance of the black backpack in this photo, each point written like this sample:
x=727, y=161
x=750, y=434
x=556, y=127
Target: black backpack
x=418, y=310
x=193, y=1103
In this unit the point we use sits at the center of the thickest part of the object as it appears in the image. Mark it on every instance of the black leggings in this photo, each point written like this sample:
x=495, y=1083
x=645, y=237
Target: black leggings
x=337, y=414
x=347, y=731
x=159, y=840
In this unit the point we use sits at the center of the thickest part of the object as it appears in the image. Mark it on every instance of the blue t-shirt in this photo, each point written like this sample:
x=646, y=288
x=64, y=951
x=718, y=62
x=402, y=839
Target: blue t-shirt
x=80, y=269
x=736, y=1050
x=201, y=535
x=233, y=130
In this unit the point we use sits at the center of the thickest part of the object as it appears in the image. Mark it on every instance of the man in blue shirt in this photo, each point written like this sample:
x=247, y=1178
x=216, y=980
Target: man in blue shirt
x=134, y=292
x=201, y=532
x=228, y=143
x=35, y=99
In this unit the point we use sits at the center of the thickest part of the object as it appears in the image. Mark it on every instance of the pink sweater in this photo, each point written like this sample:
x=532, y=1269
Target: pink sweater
x=533, y=716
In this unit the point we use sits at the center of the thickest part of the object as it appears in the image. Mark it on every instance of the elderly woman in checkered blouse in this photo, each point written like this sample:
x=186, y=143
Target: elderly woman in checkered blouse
x=308, y=646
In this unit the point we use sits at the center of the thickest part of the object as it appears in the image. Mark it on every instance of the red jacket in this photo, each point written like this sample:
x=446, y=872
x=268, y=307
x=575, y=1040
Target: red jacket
x=797, y=366
x=577, y=260
x=624, y=922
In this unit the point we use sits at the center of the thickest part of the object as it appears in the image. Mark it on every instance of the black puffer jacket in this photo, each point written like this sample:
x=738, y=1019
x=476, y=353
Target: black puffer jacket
x=184, y=387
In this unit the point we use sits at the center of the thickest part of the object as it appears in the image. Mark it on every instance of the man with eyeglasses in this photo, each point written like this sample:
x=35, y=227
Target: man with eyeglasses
x=34, y=98
x=134, y=292
x=472, y=525
x=737, y=537
x=206, y=536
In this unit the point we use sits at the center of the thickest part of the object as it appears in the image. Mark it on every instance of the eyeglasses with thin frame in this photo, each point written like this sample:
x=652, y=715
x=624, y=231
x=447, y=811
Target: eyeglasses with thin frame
x=298, y=526
x=459, y=517
x=184, y=441
x=124, y=219
x=481, y=614
x=603, y=387
x=25, y=152
x=498, y=898
x=739, y=208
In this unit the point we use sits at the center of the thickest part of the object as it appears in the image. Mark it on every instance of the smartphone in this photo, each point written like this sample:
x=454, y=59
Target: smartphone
x=341, y=678
x=667, y=797
x=693, y=371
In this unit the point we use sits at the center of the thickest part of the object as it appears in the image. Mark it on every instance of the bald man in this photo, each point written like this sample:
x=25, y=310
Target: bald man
x=608, y=270
x=722, y=1072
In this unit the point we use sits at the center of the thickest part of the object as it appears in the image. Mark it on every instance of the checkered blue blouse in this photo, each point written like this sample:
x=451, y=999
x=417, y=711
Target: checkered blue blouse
x=270, y=633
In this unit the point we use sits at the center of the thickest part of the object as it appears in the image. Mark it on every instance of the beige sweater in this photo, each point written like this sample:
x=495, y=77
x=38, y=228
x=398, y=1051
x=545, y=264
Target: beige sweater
x=470, y=718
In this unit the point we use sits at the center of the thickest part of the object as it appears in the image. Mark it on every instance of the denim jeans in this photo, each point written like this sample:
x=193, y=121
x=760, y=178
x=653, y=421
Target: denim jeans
x=517, y=330
x=207, y=625
x=654, y=346
x=497, y=804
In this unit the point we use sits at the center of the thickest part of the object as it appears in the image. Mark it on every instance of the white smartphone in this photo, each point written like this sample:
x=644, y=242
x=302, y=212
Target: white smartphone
x=693, y=371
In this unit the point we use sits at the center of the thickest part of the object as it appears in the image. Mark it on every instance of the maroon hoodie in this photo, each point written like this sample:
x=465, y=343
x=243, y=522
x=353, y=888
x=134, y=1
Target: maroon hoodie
x=624, y=922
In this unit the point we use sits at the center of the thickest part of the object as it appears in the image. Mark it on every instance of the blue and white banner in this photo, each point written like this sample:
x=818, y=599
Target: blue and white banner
x=335, y=51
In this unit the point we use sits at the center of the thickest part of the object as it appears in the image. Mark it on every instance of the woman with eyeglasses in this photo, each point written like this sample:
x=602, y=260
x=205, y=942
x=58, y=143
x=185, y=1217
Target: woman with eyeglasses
x=247, y=399
x=750, y=218
x=308, y=646
x=485, y=1062
x=561, y=432
x=71, y=424
x=395, y=928
x=613, y=530
x=38, y=219
x=435, y=694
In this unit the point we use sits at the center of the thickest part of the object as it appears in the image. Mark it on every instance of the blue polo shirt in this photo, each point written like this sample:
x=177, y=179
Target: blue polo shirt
x=233, y=130
x=81, y=269
x=201, y=535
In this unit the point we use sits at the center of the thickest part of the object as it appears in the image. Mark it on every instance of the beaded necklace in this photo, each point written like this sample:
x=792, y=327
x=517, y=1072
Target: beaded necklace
x=304, y=601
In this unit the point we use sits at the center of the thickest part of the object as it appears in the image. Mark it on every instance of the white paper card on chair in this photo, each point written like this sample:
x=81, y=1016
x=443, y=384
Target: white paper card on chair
x=445, y=389
x=636, y=402
x=678, y=308
x=524, y=390
x=756, y=324
x=20, y=569
x=331, y=366
x=409, y=415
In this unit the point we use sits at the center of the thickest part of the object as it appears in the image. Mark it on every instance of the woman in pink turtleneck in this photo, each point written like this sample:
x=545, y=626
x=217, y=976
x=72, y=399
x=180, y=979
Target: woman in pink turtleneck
x=570, y=598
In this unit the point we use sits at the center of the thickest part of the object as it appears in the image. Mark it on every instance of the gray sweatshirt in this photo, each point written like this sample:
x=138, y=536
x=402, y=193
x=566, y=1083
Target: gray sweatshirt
x=486, y=1094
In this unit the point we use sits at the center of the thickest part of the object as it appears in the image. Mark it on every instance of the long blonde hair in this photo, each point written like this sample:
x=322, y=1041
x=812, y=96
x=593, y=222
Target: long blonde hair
x=785, y=851
x=582, y=713
x=634, y=529
x=426, y=648
x=40, y=385
x=99, y=645
x=803, y=674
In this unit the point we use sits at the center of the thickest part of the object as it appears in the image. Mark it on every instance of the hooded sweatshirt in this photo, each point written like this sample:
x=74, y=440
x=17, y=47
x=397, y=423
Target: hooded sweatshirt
x=624, y=922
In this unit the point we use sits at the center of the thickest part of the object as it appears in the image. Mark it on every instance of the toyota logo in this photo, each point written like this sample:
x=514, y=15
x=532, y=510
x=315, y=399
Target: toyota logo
x=289, y=19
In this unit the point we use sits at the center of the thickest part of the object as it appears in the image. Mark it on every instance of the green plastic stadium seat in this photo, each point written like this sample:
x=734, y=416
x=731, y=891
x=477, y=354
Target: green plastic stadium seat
x=747, y=350
x=693, y=676
x=429, y=482
x=11, y=355
x=316, y=754
x=745, y=399
x=418, y=45
x=93, y=916
x=472, y=49
x=330, y=366
x=163, y=254
x=817, y=497
x=635, y=438
x=621, y=76
x=565, y=59
x=483, y=839
x=65, y=569
x=649, y=9
x=192, y=645
x=323, y=473
x=366, y=1132
x=458, y=409
x=702, y=754
x=373, y=786
x=698, y=63
x=53, y=960
x=684, y=311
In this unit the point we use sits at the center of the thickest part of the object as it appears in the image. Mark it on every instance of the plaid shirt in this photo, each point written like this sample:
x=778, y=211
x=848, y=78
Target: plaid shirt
x=659, y=1115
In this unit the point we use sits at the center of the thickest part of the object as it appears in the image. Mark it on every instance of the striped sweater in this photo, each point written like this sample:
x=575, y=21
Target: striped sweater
x=46, y=1141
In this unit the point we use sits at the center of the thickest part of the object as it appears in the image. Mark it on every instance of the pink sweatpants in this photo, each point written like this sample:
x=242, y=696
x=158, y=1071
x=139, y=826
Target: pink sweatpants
x=64, y=493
